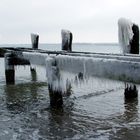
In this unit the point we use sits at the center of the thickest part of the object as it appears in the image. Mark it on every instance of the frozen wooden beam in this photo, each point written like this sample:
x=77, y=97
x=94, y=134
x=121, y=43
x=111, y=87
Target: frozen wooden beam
x=103, y=67
x=125, y=68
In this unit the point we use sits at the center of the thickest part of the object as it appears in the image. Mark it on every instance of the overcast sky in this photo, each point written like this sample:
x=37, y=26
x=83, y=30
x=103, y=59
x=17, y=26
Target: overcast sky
x=89, y=20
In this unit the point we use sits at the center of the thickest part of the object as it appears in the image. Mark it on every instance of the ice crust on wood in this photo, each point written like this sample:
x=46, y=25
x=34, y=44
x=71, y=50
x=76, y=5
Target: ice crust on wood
x=125, y=34
x=65, y=37
x=122, y=68
x=34, y=38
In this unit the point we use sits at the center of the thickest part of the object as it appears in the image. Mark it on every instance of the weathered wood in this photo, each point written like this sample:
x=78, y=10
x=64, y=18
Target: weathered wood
x=130, y=59
x=56, y=99
x=126, y=57
x=34, y=40
x=134, y=43
x=53, y=75
x=131, y=92
x=2, y=52
x=66, y=40
x=33, y=74
x=9, y=69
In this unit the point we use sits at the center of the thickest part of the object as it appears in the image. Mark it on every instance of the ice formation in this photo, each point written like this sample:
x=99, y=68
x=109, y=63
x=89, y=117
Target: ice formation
x=125, y=34
x=7, y=60
x=65, y=36
x=34, y=38
x=63, y=70
x=35, y=58
x=89, y=66
x=52, y=73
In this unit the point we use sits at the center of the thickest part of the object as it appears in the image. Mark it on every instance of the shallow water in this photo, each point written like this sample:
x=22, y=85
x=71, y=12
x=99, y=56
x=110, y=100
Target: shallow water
x=95, y=110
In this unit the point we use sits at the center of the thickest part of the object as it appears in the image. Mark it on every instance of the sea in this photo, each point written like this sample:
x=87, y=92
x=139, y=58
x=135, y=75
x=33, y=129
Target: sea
x=95, y=110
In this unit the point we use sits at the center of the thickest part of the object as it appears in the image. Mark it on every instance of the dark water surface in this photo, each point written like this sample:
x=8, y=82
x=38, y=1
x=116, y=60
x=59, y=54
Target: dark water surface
x=94, y=111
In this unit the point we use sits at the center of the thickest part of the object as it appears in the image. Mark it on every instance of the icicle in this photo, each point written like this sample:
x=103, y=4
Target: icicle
x=53, y=75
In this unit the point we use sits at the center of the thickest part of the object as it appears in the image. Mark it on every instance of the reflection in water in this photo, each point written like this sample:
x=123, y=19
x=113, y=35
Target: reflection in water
x=14, y=99
x=131, y=102
x=23, y=107
x=128, y=121
x=98, y=112
x=131, y=109
x=19, y=97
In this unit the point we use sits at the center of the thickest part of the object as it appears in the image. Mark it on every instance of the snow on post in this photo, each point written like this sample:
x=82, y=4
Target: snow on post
x=128, y=34
x=135, y=41
x=34, y=40
x=54, y=83
x=125, y=34
x=66, y=40
x=129, y=40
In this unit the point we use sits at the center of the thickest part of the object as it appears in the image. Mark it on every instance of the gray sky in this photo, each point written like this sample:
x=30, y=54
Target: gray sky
x=89, y=20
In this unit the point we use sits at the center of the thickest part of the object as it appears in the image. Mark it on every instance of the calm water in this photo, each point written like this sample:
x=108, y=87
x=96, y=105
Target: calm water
x=95, y=111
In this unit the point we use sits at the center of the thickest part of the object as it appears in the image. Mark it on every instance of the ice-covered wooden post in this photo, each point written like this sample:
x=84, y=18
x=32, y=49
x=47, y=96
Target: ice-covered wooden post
x=134, y=43
x=128, y=34
x=9, y=69
x=53, y=76
x=66, y=40
x=34, y=40
x=129, y=41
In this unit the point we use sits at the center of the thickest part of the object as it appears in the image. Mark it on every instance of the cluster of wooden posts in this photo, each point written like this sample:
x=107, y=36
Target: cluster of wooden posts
x=11, y=59
x=56, y=99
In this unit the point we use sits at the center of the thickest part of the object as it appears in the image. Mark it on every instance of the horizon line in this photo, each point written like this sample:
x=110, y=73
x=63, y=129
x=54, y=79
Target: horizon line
x=61, y=43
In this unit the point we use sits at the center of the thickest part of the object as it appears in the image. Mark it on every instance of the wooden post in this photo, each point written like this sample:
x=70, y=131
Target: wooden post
x=129, y=31
x=134, y=43
x=56, y=99
x=66, y=40
x=33, y=74
x=9, y=69
x=34, y=40
x=53, y=75
x=130, y=91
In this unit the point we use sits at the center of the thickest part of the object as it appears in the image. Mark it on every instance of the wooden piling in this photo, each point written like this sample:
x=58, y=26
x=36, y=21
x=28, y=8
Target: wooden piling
x=66, y=40
x=34, y=40
x=9, y=69
x=56, y=99
x=131, y=91
x=134, y=43
x=33, y=74
x=53, y=76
